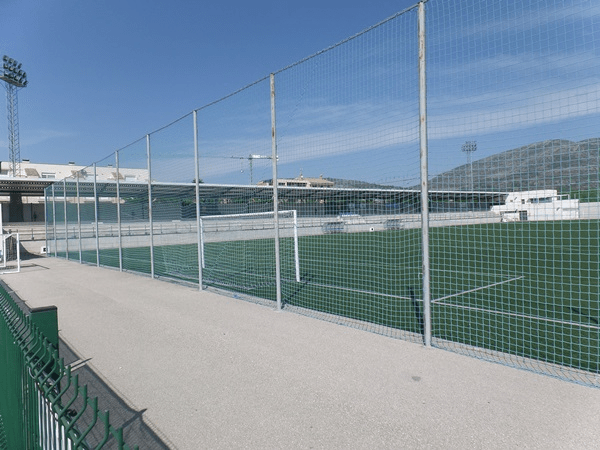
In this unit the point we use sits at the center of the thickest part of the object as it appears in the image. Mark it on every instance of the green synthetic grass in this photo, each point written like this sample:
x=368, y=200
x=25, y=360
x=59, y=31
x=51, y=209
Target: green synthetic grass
x=525, y=288
x=548, y=312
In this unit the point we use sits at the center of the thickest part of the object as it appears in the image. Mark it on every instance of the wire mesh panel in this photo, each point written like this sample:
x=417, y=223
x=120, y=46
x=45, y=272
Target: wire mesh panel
x=172, y=159
x=86, y=215
x=134, y=208
x=71, y=228
x=234, y=139
x=172, y=152
x=348, y=161
x=513, y=186
x=44, y=405
x=513, y=109
x=239, y=252
x=59, y=221
x=106, y=205
x=50, y=219
x=175, y=235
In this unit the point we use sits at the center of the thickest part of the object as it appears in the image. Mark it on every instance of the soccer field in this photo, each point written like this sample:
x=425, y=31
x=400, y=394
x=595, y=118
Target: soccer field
x=527, y=288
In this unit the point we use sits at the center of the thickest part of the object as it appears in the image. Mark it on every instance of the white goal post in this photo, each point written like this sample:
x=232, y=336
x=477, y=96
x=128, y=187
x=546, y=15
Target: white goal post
x=249, y=226
x=10, y=250
x=10, y=253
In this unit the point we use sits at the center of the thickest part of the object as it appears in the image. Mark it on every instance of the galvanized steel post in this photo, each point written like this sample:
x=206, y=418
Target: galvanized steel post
x=96, y=217
x=296, y=252
x=118, y=199
x=66, y=222
x=54, y=221
x=18, y=253
x=45, y=218
x=198, y=219
x=275, y=193
x=149, y=162
x=424, y=178
x=78, y=217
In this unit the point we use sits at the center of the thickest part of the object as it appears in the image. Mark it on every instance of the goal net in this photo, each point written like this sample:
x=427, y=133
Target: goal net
x=238, y=251
x=10, y=253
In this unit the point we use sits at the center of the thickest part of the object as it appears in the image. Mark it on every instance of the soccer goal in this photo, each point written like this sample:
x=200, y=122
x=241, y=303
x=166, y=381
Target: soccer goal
x=10, y=253
x=238, y=250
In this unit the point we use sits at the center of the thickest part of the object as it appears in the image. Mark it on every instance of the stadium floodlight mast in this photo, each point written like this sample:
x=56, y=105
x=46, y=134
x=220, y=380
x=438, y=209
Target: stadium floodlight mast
x=14, y=78
x=469, y=147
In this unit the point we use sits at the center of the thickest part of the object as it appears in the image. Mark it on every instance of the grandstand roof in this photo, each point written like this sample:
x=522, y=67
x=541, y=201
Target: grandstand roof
x=188, y=190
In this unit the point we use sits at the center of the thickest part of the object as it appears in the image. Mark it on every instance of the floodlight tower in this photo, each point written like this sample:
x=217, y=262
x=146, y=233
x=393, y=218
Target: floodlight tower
x=14, y=78
x=469, y=147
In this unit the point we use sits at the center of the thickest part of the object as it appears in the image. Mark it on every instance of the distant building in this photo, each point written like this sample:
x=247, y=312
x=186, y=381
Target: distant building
x=29, y=170
x=537, y=205
x=22, y=197
x=300, y=181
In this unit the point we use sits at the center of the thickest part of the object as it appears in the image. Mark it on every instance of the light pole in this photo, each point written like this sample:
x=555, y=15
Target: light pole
x=469, y=147
x=14, y=78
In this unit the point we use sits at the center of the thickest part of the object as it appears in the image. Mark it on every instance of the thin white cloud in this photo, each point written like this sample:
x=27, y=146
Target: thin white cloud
x=38, y=136
x=43, y=135
x=525, y=19
x=494, y=112
x=541, y=67
x=509, y=90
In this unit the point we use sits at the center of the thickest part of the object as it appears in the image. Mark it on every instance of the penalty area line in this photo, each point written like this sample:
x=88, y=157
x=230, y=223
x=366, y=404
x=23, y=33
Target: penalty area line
x=476, y=289
x=522, y=316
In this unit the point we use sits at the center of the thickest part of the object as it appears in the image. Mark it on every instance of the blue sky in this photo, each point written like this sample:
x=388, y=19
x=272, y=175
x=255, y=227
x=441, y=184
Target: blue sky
x=102, y=74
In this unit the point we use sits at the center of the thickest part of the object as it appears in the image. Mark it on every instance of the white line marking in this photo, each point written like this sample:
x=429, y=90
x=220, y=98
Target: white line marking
x=359, y=291
x=544, y=319
x=476, y=289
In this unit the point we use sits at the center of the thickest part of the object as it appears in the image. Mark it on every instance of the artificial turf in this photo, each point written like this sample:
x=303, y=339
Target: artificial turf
x=526, y=288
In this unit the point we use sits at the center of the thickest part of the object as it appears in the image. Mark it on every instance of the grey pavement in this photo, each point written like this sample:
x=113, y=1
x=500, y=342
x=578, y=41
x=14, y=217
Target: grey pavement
x=214, y=372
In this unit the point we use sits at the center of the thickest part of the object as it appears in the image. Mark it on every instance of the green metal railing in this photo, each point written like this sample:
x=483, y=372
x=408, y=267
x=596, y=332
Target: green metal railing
x=42, y=404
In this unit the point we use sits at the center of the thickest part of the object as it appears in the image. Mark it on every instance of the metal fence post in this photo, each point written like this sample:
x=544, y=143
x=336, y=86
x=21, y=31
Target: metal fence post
x=18, y=253
x=275, y=192
x=118, y=200
x=45, y=218
x=54, y=221
x=79, y=218
x=296, y=252
x=66, y=221
x=424, y=178
x=96, y=216
x=150, y=205
x=198, y=219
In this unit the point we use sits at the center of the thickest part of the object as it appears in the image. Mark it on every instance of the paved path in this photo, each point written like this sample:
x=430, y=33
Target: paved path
x=219, y=373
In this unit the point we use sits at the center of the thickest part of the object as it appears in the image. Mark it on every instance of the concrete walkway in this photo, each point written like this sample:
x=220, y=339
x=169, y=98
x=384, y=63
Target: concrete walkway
x=219, y=373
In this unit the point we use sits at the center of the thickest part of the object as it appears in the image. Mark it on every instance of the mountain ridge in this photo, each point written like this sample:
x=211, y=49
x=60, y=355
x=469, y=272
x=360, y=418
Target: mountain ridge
x=552, y=164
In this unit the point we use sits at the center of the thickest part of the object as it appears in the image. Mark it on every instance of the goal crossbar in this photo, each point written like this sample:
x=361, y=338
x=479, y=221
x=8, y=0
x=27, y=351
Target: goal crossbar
x=233, y=229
